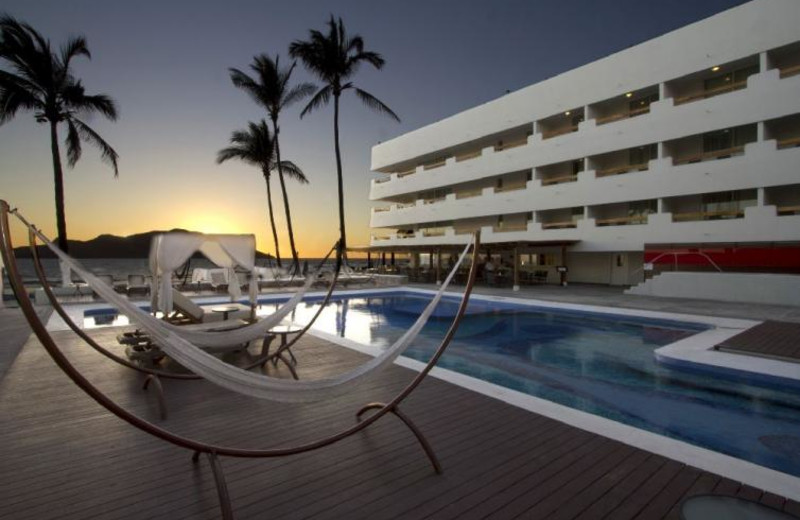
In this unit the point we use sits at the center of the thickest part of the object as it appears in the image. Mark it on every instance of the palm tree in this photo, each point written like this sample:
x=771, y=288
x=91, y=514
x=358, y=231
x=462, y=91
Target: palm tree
x=255, y=146
x=335, y=58
x=40, y=80
x=271, y=90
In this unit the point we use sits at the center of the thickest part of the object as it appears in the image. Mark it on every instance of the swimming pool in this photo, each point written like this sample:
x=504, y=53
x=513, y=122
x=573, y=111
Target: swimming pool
x=598, y=363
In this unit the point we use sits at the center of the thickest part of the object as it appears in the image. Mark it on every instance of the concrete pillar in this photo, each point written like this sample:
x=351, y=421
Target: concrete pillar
x=564, y=263
x=516, y=269
x=764, y=62
x=761, y=135
x=760, y=197
x=369, y=260
x=662, y=91
x=392, y=259
x=660, y=208
x=660, y=150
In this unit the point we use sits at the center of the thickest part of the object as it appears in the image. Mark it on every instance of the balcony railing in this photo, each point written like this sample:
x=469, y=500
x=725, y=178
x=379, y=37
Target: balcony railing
x=559, y=180
x=787, y=72
x=434, y=165
x=559, y=225
x=382, y=180
x=560, y=131
x=437, y=232
x=468, y=155
x=381, y=237
x=406, y=205
x=708, y=215
x=468, y=194
x=739, y=85
x=512, y=144
x=718, y=154
x=380, y=210
x=433, y=201
x=623, y=169
x=622, y=221
x=406, y=173
x=623, y=115
x=507, y=228
x=790, y=142
x=788, y=210
x=511, y=188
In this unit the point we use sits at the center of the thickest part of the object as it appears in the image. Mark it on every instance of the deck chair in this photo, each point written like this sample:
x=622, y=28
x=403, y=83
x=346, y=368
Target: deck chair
x=192, y=312
x=218, y=281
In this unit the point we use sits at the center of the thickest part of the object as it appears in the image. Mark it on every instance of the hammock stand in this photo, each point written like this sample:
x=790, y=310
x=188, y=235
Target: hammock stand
x=152, y=375
x=213, y=452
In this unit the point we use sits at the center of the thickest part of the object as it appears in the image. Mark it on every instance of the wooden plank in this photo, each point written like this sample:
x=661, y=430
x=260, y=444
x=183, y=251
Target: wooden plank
x=671, y=494
x=704, y=484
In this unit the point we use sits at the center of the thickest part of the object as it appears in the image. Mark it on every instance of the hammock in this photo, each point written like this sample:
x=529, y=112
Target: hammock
x=233, y=378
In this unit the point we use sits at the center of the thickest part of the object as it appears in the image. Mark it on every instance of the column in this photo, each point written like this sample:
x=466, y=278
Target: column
x=760, y=198
x=369, y=259
x=761, y=135
x=564, y=263
x=516, y=269
x=439, y=266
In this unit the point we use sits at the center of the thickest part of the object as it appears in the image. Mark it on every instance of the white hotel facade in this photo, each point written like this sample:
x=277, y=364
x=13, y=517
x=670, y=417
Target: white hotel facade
x=686, y=143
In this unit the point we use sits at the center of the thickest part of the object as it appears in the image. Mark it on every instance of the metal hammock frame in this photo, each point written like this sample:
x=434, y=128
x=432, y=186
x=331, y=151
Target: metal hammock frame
x=214, y=452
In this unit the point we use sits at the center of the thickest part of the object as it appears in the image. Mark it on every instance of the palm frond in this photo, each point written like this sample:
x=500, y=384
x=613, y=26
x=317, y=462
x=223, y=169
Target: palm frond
x=322, y=97
x=375, y=104
x=74, y=47
x=294, y=172
x=15, y=95
x=73, y=143
x=298, y=92
x=107, y=153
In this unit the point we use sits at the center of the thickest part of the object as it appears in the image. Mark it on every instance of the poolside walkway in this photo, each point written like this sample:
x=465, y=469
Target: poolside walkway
x=65, y=457
x=771, y=339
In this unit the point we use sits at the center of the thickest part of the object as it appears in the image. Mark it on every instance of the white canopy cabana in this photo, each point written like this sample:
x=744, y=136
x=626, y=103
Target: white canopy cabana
x=169, y=251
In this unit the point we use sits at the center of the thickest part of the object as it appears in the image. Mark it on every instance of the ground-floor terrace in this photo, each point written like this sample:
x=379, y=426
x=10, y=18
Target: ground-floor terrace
x=65, y=457
x=517, y=264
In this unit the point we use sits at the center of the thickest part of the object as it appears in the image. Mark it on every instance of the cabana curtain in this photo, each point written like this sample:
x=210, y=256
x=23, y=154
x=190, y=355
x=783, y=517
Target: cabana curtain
x=169, y=251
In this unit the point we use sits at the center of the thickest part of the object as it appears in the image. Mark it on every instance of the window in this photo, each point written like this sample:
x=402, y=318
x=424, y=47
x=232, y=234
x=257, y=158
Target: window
x=735, y=79
x=729, y=138
x=642, y=104
x=643, y=154
x=642, y=207
x=728, y=204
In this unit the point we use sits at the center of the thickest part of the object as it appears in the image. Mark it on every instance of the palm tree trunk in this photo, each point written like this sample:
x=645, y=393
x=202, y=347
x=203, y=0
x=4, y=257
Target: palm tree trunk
x=295, y=259
x=272, y=220
x=58, y=178
x=342, y=234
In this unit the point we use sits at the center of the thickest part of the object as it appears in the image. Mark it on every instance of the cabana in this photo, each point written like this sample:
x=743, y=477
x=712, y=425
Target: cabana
x=169, y=251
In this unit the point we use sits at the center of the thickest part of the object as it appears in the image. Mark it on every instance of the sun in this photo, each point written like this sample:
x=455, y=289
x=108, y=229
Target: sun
x=212, y=223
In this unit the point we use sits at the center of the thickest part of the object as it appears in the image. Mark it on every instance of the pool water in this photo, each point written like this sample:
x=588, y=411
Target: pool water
x=593, y=362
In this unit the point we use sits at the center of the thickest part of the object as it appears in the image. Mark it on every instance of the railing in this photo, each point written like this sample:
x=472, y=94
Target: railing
x=788, y=143
x=382, y=180
x=380, y=210
x=407, y=173
x=406, y=205
x=516, y=187
x=707, y=215
x=623, y=115
x=711, y=93
x=433, y=201
x=560, y=131
x=623, y=169
x=469, y=194
x=622, y=221
x=560, y=225
x=404, y=236
x=512, y=144
x=787, y=72
x=468, y=155
x=434, y=165
x=788, y=210
x=507, y=228
x=382, y=237
x=718, y=154
x=433, y=232
x=559, y=180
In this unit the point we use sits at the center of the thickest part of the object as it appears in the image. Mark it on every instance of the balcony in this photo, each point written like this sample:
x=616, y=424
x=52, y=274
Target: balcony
x=719, y=80
x=559, y=173
x=785, y=131
x=708, y=215
x=708, y=156
x=786, y=59
x=786, y=199
x=625, y=106
x=560, y=124
x=631, y=220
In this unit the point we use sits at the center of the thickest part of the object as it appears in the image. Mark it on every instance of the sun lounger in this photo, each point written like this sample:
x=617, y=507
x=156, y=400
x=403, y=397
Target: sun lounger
x=196, y=314
x=137, y=283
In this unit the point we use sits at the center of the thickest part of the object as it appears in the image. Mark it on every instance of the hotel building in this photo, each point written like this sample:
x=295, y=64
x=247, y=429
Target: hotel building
x=682, y=151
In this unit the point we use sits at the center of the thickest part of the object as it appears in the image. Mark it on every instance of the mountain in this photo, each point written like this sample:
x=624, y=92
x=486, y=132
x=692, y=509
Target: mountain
x=109, y=246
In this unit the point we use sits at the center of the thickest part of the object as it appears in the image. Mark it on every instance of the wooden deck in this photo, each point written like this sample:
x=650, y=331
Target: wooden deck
x=772, y=339
x=65, y=457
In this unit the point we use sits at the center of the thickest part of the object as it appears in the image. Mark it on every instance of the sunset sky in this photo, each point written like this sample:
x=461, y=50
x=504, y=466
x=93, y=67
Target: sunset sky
x=165, y=64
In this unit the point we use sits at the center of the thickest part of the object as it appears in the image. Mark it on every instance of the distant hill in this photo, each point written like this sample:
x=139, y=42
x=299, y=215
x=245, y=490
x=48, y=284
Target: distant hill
x=109, y=246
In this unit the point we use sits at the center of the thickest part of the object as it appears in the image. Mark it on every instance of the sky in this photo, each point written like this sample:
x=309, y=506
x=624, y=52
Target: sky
x=166, y=66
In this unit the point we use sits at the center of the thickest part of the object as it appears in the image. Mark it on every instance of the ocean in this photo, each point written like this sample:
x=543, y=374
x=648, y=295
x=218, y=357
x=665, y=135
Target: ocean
x=120, y=268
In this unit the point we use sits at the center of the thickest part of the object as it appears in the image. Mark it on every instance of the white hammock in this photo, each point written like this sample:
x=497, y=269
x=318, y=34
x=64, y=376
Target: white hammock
x=242, y=381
